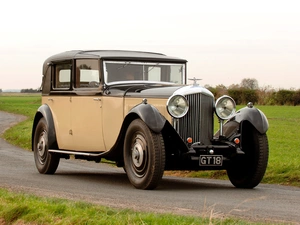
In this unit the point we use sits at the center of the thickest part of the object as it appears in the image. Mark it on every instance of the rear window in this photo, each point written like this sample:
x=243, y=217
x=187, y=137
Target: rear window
x=62, y=78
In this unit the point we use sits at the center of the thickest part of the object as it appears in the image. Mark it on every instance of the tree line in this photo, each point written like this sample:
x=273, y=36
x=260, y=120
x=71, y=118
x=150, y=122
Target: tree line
x=29, y=90
x=249, y=91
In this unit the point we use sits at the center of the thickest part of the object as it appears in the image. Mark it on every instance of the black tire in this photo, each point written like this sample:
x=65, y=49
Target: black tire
x=144, y=155
x=45, y=162
x=247, y=171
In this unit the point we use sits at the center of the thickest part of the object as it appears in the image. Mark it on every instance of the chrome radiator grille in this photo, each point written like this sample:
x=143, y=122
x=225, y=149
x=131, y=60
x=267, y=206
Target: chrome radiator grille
x=198, y=122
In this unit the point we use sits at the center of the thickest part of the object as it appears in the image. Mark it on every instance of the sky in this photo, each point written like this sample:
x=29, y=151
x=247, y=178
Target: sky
x=223, y=41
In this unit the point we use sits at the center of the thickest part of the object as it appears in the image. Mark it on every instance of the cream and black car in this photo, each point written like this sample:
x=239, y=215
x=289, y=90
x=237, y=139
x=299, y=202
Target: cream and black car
x=136, y=109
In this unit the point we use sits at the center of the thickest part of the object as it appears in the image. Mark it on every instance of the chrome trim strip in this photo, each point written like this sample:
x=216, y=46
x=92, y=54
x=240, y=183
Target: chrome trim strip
x=193, y=89
x=76, y=153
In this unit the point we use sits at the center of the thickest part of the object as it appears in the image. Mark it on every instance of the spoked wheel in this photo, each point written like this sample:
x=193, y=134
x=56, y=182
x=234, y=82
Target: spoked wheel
x=45, y=162
x=144, y=155
x=247, y=170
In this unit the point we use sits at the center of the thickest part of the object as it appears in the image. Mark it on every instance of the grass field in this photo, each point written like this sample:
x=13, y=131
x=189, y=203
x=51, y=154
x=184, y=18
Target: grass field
x=24, y=104
x=20, y=208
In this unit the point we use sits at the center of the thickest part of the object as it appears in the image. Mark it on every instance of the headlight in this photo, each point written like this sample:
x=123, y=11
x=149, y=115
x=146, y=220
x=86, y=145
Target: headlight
x=177, y=106
x=225, y=107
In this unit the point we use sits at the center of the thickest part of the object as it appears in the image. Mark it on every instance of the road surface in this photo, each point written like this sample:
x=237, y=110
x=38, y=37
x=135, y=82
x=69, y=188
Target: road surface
x=108, y=185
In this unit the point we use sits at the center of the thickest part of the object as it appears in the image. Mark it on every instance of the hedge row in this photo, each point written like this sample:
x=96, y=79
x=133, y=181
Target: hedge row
x=260, y=96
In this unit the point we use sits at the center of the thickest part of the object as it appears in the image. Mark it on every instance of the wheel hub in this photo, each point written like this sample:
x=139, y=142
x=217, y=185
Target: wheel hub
x=137, y=154
x=41, y=147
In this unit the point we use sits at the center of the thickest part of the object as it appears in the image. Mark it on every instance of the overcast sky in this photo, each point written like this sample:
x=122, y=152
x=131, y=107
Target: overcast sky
x=223, y=41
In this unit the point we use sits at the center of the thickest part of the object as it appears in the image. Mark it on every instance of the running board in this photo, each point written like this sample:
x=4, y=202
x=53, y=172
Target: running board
x=76, y=153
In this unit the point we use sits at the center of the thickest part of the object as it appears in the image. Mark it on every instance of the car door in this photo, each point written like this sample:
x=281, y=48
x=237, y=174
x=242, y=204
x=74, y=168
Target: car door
x=86, y=108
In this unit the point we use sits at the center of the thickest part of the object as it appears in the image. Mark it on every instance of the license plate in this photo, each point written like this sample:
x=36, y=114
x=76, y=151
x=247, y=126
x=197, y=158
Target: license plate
x=211, y=160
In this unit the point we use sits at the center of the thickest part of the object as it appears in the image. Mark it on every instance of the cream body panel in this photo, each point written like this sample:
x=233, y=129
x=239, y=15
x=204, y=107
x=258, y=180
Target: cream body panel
x=89, y=123
x=61, y=111
x=158, y=103
x=113, y=118
x=86, y=123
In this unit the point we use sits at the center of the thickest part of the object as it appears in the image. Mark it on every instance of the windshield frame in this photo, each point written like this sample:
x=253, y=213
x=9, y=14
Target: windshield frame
x=153, y=72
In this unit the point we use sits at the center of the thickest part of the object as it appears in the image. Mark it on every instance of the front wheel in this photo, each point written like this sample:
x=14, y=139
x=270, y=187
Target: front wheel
x=45, y=162
x=144, y=155
x=246, y=171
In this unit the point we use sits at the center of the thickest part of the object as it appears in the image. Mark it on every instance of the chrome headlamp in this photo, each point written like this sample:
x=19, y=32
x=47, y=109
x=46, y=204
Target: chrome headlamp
x=177, y=106
x=225, y=107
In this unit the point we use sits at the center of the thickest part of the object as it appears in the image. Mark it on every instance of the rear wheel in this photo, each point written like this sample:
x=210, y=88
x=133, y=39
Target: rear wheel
x=247, y=170
x=45, y=162
x=144, y=155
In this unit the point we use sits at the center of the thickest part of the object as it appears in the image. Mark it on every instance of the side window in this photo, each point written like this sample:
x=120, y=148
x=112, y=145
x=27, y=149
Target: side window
x=87, y=73
x=62, y=77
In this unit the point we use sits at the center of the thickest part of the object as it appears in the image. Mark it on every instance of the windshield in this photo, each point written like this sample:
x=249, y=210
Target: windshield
x=144, y=71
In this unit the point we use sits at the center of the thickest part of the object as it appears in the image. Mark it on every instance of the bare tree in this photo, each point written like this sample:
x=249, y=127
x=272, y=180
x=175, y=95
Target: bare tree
x=249, y=83
x=234, y=86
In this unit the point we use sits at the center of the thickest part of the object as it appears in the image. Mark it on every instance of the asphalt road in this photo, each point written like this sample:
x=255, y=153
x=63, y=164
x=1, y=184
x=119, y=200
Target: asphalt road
x=107, y=185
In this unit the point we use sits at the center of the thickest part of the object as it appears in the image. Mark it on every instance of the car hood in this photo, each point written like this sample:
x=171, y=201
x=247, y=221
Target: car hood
x=143, y=90
x=154, y=90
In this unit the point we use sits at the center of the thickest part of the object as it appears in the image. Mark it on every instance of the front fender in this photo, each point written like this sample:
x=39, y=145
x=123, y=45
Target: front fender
x=256, y=117
x=150, y=115
x=44, y=111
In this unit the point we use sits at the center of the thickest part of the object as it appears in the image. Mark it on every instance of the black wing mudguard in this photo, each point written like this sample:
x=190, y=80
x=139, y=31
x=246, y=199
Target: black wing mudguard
x=146, y=112
x=44, y=111
x=251, y=114
x=158, y=123
x=150, y=115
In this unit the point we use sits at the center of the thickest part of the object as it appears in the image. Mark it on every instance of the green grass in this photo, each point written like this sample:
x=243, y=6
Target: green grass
x=283, y=134
x=22, y=208
x=24, y=104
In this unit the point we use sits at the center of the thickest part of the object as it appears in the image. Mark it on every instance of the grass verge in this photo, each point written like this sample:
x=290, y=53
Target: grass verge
x=22, y=208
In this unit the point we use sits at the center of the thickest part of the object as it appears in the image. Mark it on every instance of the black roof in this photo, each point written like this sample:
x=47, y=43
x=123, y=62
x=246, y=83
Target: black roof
x=112, y=54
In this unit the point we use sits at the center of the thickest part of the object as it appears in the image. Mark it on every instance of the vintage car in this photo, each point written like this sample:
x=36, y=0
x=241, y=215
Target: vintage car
x=136, y=109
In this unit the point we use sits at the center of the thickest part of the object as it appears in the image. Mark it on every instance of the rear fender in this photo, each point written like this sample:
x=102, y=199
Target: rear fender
x=44, y=111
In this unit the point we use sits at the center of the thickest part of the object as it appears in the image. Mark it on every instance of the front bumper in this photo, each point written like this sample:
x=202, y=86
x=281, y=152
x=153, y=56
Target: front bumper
x=208, y=157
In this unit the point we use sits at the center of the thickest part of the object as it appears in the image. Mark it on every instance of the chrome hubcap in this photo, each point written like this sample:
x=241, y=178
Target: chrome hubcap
x=41, y=147
x=137, y=154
